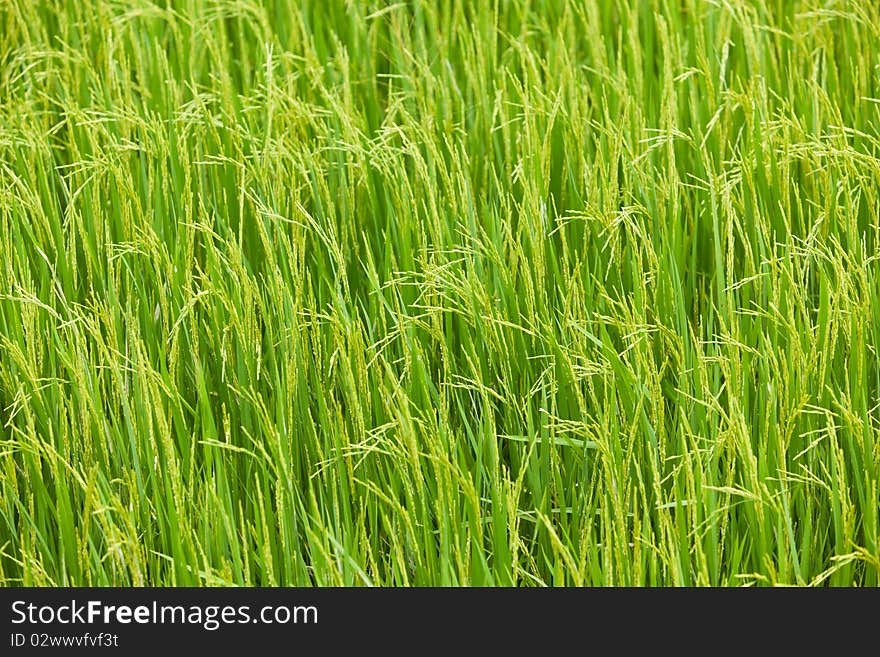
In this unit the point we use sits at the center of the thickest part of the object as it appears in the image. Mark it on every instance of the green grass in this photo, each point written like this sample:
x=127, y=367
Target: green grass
x=440, y=293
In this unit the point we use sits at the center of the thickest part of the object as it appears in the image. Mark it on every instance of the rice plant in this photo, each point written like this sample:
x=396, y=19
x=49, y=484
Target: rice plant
x=533, y=293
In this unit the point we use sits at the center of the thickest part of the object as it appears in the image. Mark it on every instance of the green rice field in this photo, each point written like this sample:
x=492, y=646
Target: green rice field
x=440, y=293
